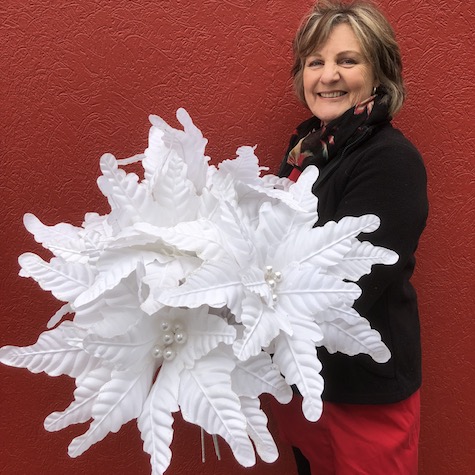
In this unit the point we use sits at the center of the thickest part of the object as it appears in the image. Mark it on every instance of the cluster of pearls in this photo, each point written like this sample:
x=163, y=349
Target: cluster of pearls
x=171, y=335
x=272, y=278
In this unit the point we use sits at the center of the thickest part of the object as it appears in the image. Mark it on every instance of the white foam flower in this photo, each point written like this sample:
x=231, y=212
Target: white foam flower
x=200, y=288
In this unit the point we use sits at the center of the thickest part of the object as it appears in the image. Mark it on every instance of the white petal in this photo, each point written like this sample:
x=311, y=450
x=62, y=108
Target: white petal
x=119, y=401
x=354, y=339
x=80, y=410
x=65, y=280
x=62, y=240
x=359, y=260
x=206, y=399
x=259, y=375
x=52, y=353
x=298, y=362
x=156, y=420
x=257, y=429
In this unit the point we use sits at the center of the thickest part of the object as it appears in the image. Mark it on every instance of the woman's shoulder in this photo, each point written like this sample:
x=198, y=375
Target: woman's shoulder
x=392, y=141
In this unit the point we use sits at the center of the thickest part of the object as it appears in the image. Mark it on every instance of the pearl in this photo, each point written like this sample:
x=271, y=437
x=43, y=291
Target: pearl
x=165, y=326
x=157, y=352
x=278, y=276
x=168, y=338
x=169, y=354
x=271, y=283
x=180, y=337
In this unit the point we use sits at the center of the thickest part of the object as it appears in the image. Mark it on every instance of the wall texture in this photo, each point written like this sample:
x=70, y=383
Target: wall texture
x=78, y=79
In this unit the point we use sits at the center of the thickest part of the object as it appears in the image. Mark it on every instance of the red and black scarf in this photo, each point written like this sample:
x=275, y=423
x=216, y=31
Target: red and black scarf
x=323, y=142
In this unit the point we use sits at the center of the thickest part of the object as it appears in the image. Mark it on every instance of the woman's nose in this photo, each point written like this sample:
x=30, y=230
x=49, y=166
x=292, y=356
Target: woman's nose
x=329, y=73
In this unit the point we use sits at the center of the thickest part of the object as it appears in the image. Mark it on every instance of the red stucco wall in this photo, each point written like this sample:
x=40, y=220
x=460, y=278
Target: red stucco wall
x=78, y=79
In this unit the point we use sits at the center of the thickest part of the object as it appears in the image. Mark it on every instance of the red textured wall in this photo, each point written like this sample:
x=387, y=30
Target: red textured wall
x=78, y=79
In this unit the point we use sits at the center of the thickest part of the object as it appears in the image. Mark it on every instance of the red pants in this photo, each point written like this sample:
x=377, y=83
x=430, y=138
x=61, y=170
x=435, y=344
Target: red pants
x=354, y=439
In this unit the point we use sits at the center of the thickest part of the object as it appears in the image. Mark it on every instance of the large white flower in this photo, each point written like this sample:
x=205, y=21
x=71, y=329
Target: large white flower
x=197, y=292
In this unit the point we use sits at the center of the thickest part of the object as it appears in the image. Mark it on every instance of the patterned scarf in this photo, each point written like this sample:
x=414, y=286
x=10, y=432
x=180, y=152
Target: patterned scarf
x=323, y=142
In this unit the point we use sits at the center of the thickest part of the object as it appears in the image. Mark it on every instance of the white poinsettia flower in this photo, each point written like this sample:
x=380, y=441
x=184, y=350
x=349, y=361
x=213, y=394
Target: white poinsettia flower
x=200, y=288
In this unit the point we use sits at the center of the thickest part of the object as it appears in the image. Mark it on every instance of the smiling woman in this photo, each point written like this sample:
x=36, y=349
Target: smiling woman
x=337, y=76
x=348, y=72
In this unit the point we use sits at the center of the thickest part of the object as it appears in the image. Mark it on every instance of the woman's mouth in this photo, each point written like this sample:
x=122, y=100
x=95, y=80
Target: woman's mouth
x=331, y=95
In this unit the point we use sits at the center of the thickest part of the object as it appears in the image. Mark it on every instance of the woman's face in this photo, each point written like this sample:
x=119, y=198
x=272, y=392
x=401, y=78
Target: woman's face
x=337, y=76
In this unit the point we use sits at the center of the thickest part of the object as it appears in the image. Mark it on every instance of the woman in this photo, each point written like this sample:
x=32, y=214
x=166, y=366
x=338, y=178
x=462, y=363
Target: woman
x=347, y=71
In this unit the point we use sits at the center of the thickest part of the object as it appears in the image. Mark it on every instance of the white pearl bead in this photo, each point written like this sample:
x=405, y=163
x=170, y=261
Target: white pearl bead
x=169, y=354
x=165, y=326
x=180, y=337
x=157, y=352
x=168, y=338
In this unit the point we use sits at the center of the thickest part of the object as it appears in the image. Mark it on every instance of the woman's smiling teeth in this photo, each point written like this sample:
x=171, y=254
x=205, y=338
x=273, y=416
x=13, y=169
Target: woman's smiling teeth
x=329, y=95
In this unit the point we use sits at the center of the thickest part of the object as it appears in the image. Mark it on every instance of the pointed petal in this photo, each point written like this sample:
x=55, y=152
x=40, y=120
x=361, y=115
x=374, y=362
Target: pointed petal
x=119, y=401
x=63, y=239
x=298, y=362
x=215, y=284
x=257, y=429
x=302, y=291
x=156, y=420
x=52, y=353
x=65, y=280
x=359, y=260
x=259, y=375
x=354, y=339
x=80, y=410
x=206, y=399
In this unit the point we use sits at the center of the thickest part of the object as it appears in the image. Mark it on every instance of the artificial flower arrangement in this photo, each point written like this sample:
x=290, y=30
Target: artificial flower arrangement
x=203, y=288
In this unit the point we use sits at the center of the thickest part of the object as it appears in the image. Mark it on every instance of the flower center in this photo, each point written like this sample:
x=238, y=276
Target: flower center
x=170, y=337
x=272, y=278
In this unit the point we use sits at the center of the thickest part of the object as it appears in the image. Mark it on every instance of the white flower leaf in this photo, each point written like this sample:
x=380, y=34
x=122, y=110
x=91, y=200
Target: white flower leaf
x=359, y=260
x=127, y=350
x=261, y=325
x=298, y=362
x=258, y=375
x=156, y=420
x=204, y=333
x=155, y=155
x=119, y=401
x=62, y=239
x=243, y=168
x=114, y=265
x=188, y=144
x=215, y=284
x=236, y=238
x=305, y=327
x=58, y=316
x=301, y=191
x=130, y=201
x=65, y=280
x=354, y=339
x=319, y=247
x=257, y=429
x=162, y=276
x=80, y=410
x=206, y=399
x=200, y=237
x=303, y=291
x=339, y=311
x=175, y=194
x=52, y=354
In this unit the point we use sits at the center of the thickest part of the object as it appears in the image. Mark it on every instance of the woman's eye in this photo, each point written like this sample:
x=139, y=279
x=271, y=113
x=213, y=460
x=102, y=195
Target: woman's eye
x=348, y=62
x=314, y=63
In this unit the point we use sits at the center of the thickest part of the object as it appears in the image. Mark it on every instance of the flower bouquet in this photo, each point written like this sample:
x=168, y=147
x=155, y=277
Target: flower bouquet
x=204, y=287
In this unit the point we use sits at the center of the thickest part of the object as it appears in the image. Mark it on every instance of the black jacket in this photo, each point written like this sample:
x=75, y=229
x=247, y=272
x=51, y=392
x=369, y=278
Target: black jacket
x=382, y=174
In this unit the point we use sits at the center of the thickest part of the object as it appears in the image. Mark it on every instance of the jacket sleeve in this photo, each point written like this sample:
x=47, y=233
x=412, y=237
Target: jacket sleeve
x=388, y=181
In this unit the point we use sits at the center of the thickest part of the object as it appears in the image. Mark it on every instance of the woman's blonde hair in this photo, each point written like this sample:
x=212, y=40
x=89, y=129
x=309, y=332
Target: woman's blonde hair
x=376, y=38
